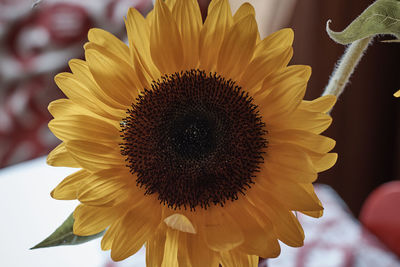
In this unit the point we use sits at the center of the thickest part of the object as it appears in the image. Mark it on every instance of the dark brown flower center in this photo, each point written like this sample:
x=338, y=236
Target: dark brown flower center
x=194, y=139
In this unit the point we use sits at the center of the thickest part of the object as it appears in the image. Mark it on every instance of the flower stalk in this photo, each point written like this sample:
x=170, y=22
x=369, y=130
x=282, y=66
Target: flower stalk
x=346, y=66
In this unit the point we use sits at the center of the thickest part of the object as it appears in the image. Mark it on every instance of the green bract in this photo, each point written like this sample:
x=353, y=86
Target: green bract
x=64, y=235
x=382, y=17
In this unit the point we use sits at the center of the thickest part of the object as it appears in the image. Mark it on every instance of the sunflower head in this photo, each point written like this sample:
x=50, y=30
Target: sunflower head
x=193, y=140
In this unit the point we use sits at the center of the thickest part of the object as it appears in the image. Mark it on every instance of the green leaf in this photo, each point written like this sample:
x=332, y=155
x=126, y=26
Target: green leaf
x=382, y=17
x=64, y=235
x=391, y=41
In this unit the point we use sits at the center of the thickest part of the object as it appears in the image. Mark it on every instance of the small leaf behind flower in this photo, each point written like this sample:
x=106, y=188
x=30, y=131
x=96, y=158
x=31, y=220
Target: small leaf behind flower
x=382, y=17
x=64, y=235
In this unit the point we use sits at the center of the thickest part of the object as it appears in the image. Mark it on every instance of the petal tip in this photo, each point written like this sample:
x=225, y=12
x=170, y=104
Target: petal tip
x=52, y=193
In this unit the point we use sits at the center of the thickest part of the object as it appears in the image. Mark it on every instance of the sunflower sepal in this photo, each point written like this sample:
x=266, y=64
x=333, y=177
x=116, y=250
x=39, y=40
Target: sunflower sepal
x=64, y=235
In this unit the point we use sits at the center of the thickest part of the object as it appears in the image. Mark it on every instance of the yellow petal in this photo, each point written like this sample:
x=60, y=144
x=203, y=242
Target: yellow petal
x=289, y=156
x=397, y=94
x=288, y=73
x=295, y=196
x=237, y=48
x=95, y=156
x=281, y=39
x=61, y=107
x=165, y=41
x=171, y=4
x=286, y=225
x=155, y=248
x=230, y=258
x=92, y=220
x=105, y=188
x=286, y=94
x=199, y=253
x=325, y=162
x=211, y=6
x=81, y=73
x=183, y=252
x=308, y=140
x=236, y=258
x=140, y=74
x=321, y=104
x=288, y=228
x=82, y=127
x=138, y=77
x=60, y=157
x=138, y=32
x=188, y=19
x=253, y=260
x=110, y=42
x=216, y=25
x=314, y=214
x=259, y=239
x=68, y=188
x=319, y=161
x=274, y=170
x=113, y=75
x=171, y=249
x=109, y=236
x=220, y=230
x=150, y=18
x=75, y=90
x=135, y=229
x=261, y=67
x=243, y=11
x=315, y=122
x=180, y=222
x=310, y=189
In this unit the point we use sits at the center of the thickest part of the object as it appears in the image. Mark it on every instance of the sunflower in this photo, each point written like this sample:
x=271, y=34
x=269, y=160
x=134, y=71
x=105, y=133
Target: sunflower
x=194, y=140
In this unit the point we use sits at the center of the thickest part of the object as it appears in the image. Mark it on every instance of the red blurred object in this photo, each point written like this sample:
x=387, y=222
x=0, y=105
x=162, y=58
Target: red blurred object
x=380, y=214
x=66, y=23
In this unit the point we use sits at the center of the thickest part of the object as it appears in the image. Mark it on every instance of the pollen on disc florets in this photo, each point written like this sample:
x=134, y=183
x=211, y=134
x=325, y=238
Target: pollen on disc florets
x=194, y=139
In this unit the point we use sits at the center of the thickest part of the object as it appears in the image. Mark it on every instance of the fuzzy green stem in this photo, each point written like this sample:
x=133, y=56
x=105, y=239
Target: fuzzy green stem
x=346, y=66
